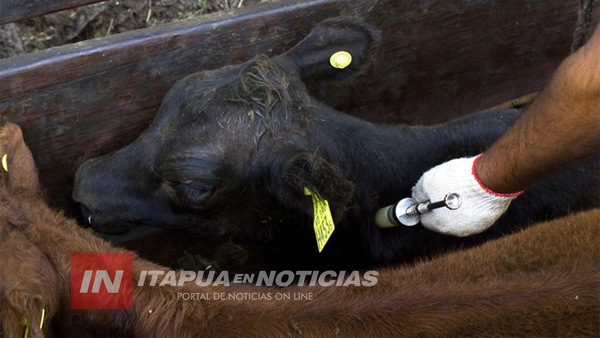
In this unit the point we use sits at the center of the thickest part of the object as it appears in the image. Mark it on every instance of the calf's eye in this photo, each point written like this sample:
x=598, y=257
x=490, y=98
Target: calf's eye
x=191, y=194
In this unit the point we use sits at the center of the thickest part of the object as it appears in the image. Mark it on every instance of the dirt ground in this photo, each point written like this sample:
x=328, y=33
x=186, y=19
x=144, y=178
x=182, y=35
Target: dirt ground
x=103, y=19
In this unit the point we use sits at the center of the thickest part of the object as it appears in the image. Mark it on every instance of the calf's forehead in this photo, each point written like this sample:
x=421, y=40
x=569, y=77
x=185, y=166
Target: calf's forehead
x=235, y=106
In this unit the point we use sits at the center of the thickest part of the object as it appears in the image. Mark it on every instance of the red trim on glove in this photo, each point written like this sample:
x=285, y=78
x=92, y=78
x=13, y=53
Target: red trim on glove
x=514, y=194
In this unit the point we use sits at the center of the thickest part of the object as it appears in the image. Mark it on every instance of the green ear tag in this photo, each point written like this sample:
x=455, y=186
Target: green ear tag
x=323, y=222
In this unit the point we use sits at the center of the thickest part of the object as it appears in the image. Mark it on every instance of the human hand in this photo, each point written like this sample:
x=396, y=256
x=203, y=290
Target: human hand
x=480, y=207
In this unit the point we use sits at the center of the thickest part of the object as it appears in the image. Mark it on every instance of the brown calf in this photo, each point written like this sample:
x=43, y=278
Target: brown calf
x=542, y=281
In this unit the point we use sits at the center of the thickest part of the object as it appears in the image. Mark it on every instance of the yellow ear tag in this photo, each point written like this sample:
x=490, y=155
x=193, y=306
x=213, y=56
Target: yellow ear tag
x=5, y=162
x=42, y=319
x=26, y=323
x=340, y=60
x=323, y=222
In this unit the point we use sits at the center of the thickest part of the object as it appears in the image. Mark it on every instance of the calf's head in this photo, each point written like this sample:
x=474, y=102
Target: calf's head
x=29, y=284
x=231, y=150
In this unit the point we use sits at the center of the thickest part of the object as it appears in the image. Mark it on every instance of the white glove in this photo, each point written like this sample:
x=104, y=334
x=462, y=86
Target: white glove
x=480, y=206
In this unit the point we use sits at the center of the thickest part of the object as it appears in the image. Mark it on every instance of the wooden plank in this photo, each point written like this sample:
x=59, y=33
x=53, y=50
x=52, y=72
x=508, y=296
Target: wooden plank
x=443, y=59
x=438, y=60
x=15, y=10
x=53, y=67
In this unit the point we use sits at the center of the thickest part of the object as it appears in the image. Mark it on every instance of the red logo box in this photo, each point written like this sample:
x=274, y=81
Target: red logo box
x=101, y=281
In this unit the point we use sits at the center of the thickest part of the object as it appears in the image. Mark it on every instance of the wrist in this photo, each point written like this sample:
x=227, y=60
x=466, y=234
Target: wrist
x=476, y=169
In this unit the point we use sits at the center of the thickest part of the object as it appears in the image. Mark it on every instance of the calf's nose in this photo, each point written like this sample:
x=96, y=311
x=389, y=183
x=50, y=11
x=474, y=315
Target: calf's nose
x=81, y=194
x=86, y=213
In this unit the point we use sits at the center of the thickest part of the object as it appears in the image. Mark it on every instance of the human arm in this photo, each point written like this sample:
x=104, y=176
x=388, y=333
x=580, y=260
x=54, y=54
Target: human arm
x=559, y=130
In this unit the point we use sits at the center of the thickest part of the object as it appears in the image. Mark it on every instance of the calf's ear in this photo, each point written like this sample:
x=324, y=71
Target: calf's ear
x=18, y=171
x=302, y=170
x=336, y=49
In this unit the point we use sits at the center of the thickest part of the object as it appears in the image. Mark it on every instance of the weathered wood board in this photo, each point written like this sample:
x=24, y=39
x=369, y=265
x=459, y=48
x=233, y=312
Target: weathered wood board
x=14, y=10
x=437, y=60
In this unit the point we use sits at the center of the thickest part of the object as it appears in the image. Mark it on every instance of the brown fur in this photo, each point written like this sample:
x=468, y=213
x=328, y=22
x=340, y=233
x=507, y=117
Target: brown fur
x=542, y=281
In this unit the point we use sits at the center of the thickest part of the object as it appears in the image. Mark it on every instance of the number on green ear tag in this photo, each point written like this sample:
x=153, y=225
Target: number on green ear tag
x=323, y=222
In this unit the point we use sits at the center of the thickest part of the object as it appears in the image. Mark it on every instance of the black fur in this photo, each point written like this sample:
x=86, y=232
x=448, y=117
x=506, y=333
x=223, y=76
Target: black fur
x=232, y=150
